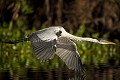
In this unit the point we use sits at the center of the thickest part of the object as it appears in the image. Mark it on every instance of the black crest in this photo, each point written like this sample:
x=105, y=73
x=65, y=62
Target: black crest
x=58, y=33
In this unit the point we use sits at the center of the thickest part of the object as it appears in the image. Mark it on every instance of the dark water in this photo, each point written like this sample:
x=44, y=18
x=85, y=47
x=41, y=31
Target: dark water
x=103, y=73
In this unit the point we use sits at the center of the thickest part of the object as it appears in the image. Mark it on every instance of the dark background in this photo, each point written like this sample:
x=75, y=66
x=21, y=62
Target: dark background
x=101, y=16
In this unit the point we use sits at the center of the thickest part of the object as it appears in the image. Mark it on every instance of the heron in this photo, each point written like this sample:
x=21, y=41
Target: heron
x=56, y=40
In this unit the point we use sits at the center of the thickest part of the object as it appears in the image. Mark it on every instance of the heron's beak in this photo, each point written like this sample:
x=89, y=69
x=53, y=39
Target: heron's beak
x=106, y=42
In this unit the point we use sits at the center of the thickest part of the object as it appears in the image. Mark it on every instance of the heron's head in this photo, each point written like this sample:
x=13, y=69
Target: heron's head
x=63, y=32
x=60, y=31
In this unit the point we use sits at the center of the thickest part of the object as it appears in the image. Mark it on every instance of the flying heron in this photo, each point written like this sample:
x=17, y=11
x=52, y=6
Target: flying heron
x=55, y=40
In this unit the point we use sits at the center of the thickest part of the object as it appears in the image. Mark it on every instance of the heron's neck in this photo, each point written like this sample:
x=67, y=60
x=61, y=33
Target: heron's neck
x=72, y=37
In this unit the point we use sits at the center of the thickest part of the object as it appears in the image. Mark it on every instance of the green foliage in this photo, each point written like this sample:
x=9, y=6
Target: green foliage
x=25, y=8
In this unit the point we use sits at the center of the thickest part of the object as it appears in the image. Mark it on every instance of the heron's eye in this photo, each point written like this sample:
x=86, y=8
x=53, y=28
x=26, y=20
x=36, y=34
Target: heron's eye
x=58, y=33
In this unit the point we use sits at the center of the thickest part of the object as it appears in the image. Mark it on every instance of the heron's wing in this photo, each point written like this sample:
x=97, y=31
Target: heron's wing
x=44, y=49
x=45, y=34
x=67, y=51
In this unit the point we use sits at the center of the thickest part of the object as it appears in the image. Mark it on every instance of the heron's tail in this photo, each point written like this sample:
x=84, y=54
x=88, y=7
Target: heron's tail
x=14, y=42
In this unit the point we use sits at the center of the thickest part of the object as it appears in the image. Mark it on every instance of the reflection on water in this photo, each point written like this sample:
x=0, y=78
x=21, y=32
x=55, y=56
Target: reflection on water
x=104, y=73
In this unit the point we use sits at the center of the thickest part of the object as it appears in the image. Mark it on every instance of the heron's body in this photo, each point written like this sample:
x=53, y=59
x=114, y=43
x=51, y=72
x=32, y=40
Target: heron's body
x=55, y=40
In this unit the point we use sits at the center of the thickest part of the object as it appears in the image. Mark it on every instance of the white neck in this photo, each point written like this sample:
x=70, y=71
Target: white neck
x=72, y=37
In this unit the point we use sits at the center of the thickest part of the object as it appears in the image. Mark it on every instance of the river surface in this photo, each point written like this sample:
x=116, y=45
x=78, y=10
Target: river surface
x=103, y=73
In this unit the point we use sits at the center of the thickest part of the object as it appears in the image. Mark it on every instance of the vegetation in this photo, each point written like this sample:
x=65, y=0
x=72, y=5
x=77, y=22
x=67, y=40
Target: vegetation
x=20, y=18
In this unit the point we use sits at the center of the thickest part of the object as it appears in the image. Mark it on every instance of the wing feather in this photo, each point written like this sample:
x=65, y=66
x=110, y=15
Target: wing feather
x=67, y=51
x=43, y=44
x=69, y=60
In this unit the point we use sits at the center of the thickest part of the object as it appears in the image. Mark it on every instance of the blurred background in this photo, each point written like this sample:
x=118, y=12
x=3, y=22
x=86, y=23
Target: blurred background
x=86, y=18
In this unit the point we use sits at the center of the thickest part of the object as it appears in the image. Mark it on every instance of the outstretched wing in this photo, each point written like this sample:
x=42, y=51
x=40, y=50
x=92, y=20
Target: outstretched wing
x=44, y=45
x=67, y=51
